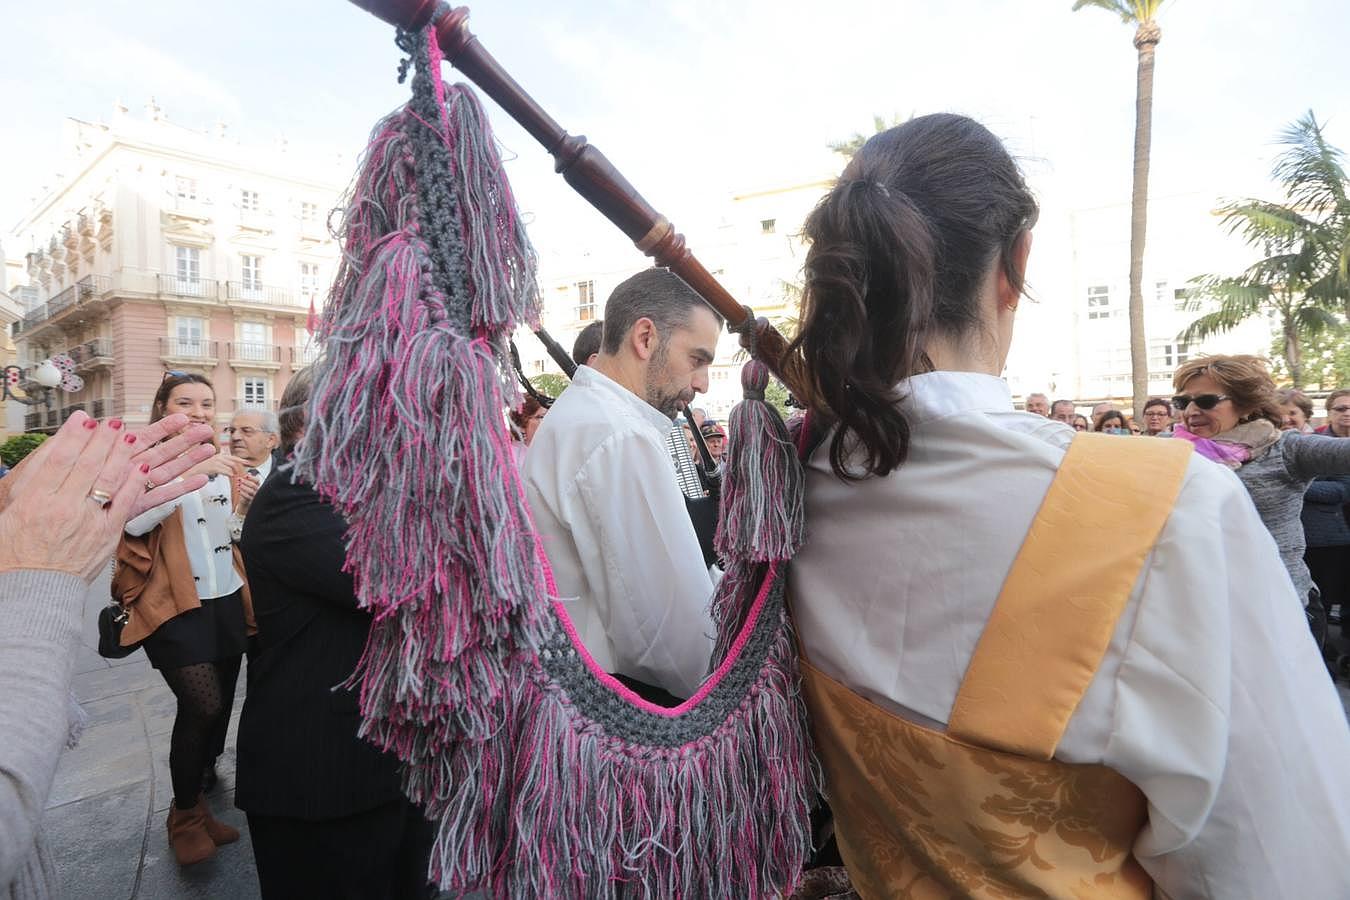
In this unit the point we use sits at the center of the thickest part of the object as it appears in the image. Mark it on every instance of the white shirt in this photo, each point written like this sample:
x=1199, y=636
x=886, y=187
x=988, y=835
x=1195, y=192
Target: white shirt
x=1212, y=698
x=614, y=527
x=263, y=469
x=206, y=531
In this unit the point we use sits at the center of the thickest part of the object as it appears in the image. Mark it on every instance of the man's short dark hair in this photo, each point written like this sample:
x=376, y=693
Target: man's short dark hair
x=656, y=294
x=1068, y=403
x=587, y=343
x=1159, y=401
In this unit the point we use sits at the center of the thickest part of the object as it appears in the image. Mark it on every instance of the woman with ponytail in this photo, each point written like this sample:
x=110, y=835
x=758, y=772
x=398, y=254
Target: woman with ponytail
x=1038, y=663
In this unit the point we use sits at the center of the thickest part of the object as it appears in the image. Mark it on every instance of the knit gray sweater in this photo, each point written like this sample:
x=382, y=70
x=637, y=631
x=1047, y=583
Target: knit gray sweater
x=40, y=616
x=1277, y=481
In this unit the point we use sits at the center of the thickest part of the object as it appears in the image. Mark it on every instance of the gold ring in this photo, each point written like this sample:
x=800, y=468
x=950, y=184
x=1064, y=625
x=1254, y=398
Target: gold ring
x=102, y=498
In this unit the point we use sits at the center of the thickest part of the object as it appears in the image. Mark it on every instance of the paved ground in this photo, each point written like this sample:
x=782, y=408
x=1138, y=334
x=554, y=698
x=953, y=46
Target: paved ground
x=105, y=817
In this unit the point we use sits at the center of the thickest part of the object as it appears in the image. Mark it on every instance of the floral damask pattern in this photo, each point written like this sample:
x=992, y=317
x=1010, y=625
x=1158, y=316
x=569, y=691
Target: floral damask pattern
x=922, y=816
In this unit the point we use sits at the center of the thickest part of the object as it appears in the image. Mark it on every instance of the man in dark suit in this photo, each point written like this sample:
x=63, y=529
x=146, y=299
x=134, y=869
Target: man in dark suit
x=325, y=812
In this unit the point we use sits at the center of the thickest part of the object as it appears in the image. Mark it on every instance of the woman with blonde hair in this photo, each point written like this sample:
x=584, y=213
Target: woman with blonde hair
x=1037, y=663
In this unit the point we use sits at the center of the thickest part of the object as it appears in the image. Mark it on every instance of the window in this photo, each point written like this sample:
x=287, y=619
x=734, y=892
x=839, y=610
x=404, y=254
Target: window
x=1181, y=299
x=252, y=342
x=309, y=212
x=1099, y=302
x=1168, y=355
x=250, y=274
x=768, y=226
x=189, y=336
x=185, y=190
x=585, y=301
x=248, y=201
x=309, y=281
x=1160, y=291
x=306, y=348
x=187, y=262
x=254, y=393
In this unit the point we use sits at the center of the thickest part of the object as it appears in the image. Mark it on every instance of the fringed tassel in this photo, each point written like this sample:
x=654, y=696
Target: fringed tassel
x=761, y=518
x=406, y=434
x=558, y=807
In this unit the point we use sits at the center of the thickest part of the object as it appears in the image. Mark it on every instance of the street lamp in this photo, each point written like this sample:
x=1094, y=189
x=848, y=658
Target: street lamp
x=47, y=375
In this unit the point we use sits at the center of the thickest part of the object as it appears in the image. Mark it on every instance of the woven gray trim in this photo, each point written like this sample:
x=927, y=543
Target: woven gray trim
x=597, y=702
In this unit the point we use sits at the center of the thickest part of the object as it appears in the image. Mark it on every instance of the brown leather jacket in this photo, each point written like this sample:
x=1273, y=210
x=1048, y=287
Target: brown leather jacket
x=153, y=579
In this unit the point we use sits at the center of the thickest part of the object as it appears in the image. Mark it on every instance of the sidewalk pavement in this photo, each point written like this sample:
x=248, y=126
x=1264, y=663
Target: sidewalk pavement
x=105, y=816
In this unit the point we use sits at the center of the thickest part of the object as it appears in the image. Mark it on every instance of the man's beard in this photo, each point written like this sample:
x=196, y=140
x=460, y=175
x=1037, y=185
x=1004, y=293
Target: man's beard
x=656, y=389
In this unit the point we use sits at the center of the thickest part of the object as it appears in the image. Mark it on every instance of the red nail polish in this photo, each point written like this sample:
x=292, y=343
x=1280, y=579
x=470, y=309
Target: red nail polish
x=145, y=468
x=130, y=439
x=114, y=424
x=91, y=424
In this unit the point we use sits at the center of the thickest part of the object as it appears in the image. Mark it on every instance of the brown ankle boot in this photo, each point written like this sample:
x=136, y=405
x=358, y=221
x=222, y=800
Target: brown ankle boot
x=187, y=835
x=220, y=832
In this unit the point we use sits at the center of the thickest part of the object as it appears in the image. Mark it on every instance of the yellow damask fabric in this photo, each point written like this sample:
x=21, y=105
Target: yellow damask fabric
x=984, y=810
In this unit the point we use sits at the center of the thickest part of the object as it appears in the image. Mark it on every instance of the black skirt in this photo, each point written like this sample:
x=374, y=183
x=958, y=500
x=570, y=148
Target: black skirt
x=210, y=633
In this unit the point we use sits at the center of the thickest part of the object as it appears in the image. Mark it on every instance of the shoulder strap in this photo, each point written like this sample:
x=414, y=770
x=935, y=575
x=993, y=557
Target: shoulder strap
x=1065, y=592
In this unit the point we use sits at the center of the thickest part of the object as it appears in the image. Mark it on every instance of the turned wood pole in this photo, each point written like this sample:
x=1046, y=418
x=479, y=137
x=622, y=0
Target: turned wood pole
x=587, y=170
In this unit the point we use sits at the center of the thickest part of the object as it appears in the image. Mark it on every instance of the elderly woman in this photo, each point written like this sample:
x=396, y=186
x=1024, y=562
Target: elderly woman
x=962, y=556
x=1230, y=411
x=1297, y=410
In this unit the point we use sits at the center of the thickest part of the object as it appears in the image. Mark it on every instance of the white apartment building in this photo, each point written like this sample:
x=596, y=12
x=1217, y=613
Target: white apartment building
x=166, y=248
x=755, y=251
x=1082, y=350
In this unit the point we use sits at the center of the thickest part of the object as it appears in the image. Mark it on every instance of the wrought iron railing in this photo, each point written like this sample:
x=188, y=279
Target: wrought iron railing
x=201, y=288
x=255, y=292
x=188, y=348
x=247, y=351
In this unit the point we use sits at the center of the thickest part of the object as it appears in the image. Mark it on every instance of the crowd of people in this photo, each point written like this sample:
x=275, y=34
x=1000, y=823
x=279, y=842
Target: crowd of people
x=1034, y=660
x=1231, y=410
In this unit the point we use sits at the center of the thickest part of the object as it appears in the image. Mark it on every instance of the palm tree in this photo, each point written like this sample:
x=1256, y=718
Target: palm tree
x=1147, y=34
x=851, y=145
x=1303, y=277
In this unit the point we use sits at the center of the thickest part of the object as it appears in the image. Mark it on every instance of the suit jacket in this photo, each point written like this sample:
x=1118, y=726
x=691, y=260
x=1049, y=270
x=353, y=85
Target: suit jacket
x=298, y=753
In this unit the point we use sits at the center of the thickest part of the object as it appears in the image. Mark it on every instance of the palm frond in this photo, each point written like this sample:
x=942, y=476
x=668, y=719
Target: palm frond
x=1263, y=222
x=1238, y=301
x=1121, y=8
x=1314, y=320
x=1312, y=171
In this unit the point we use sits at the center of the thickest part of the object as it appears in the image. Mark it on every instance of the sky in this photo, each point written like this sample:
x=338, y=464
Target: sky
x=699, y=100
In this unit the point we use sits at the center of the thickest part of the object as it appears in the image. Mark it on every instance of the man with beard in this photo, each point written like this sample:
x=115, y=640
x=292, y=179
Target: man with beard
x=613, y=523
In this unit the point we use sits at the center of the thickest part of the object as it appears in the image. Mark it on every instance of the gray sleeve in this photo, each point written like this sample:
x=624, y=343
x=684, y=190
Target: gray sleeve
x=40, y=614
x=1314, y=455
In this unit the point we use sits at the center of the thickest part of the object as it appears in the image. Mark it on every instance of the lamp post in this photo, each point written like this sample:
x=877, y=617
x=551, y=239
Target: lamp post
x=46, y=375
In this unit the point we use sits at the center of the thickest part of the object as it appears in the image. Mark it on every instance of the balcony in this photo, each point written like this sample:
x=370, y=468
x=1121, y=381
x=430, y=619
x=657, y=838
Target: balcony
x=32, y=421
x=201, y=289
x=101, y=408
x=95, y=354
x=303, y=356
x=68, y=411
x=189, y=351
x=243, y=403
x=53, y=418
x=263, y=294
x=63, y=300
x=248, y=355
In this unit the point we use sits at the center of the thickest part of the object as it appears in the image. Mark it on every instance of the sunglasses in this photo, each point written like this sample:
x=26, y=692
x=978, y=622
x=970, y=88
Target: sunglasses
x=1204, y=401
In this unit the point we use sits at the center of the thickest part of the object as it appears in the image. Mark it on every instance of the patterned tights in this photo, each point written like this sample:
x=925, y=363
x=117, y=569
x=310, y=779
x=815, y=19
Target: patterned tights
x=205, y=693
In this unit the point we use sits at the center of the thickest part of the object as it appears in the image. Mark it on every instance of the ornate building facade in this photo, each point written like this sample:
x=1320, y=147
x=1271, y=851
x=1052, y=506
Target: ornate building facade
x=168, y=249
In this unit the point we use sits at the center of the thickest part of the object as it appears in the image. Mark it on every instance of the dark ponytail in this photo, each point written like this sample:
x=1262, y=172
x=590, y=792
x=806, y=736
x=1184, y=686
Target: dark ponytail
x=899, y=250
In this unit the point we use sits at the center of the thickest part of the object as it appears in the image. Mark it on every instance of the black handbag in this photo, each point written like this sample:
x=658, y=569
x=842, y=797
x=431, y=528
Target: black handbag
x=111, y=620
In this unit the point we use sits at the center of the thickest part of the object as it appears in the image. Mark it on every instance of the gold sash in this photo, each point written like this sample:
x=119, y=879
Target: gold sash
x=984, y=810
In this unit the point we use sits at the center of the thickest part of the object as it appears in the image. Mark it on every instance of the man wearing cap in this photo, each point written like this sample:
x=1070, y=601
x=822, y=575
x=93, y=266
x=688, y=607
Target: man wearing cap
x=716, y=439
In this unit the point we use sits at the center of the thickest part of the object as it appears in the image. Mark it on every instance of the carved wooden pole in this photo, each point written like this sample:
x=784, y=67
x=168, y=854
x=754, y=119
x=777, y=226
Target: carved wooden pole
x=588, y=171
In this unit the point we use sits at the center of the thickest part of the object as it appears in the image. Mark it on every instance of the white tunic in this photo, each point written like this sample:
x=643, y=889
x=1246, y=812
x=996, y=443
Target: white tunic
x=615, y=529
x=1212, y=698
x=206, y=531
